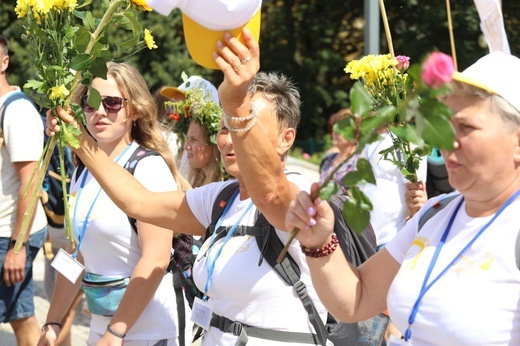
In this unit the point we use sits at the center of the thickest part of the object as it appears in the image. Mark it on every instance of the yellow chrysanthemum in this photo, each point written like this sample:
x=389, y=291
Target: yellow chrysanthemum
x=58, y=92
x=148, y=38
x=21, y=8
x=141, y=4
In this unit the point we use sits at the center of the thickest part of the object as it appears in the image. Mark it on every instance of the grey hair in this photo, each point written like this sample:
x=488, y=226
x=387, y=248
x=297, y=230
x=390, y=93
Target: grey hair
x=509, y=114
x=284, y=95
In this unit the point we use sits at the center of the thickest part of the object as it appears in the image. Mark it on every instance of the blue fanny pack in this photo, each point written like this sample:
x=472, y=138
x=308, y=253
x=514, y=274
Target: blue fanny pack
x=103, y=293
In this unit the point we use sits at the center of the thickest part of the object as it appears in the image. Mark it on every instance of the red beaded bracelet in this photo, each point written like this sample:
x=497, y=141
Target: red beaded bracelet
x=326, y=250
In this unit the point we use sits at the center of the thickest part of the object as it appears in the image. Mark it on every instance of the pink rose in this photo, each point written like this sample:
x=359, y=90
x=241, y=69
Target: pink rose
x=403, y=62
x=306, y=156
x=437, y=69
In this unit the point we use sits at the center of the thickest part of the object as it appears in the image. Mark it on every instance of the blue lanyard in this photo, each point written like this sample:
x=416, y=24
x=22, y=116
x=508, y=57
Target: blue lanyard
x=425, y=287
x=81, y=234
x=210, y=262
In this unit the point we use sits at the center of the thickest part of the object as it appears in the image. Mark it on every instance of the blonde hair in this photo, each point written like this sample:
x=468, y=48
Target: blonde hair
x=213, y=171
x=141, y=104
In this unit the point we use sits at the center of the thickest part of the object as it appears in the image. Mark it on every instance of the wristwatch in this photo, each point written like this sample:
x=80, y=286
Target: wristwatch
x=13, y=241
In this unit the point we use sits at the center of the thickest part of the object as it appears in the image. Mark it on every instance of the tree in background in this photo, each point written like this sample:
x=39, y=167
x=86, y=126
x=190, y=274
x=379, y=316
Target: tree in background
x=309, y=40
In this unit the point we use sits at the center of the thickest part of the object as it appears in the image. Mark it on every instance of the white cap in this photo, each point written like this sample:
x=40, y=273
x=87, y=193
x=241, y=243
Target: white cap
x=497, y=73
x=210, y=91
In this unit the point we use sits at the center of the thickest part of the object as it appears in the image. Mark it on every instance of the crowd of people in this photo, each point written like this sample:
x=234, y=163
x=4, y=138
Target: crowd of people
x=131, y=203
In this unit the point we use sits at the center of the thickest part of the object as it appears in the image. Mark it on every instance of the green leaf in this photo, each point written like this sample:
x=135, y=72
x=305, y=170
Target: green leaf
x=326, y=191
x=98, y=68
x=347, y=128
x=80, y=62
x=94, y=97
x=360, y=100
x=356, y=211
x=408, y=133
x=82, y=39
x=437, y=129
x=33, y=84
x=362, y=174
x=89, y=21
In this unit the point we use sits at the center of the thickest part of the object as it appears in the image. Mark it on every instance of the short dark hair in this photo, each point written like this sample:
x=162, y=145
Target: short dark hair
x=4, y=46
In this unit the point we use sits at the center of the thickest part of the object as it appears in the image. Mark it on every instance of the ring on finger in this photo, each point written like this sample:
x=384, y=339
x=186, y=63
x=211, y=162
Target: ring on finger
x=237, y=67
x=246, y=60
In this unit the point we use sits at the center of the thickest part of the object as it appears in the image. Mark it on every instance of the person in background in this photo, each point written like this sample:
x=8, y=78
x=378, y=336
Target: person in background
x=196, y=128
x=141, y=309
x=393, y=194
x=345, y=149
x=434, y=273
x=21, y=148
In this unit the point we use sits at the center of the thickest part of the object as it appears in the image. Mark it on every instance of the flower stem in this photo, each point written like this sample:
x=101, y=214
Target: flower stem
x=34, y=196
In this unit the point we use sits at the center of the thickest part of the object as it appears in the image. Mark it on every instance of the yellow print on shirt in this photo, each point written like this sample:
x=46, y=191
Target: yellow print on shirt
x=416, y=248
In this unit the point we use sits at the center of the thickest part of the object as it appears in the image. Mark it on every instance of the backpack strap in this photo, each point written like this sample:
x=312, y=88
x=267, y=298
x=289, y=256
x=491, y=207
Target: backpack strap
x=434, y=209
x=140, y=153
x=270, y=247
x=289, y=271
x=17, y=95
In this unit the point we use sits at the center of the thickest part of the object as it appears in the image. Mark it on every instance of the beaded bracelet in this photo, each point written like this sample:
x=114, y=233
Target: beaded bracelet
x=50, y=324
x=113, y=332
x=323, y=251
x=253, y=116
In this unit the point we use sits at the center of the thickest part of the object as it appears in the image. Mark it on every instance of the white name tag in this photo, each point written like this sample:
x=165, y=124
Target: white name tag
x=67, y=266
x=201, y=313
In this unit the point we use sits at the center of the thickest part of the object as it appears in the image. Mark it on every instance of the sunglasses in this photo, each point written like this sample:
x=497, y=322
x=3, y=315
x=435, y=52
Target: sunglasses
x=112, y=104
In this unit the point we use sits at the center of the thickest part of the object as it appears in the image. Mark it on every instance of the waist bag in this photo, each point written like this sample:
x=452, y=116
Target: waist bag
x=103, y=293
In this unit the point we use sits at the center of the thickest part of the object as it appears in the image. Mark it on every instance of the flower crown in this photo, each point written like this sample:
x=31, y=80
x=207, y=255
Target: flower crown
x=198, y=106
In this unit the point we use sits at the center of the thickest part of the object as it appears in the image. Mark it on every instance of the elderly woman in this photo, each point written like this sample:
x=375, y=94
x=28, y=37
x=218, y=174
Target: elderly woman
x=435, y=275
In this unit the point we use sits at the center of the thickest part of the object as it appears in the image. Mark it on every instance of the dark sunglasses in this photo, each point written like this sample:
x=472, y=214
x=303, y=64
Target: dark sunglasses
x=112, y=104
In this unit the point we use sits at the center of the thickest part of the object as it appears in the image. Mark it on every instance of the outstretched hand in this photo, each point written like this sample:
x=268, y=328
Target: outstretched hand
x=240, y=63
x=315, y=220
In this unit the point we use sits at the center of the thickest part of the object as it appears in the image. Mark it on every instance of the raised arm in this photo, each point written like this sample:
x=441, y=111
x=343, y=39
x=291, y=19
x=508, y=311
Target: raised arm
x=363, y=290
x=257, y=143
x=164, y=209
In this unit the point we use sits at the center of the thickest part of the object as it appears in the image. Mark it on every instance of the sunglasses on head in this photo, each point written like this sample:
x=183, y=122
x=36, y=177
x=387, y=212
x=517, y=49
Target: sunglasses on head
x=112, y=104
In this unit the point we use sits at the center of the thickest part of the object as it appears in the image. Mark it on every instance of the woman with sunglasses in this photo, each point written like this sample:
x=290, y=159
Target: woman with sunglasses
x=111, y=250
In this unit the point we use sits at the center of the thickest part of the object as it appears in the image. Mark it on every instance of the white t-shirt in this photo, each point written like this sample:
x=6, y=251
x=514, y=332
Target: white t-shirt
x=23, y=142
x=111, y=247
x=388, y=215
x=240, y=289
x=476, y=302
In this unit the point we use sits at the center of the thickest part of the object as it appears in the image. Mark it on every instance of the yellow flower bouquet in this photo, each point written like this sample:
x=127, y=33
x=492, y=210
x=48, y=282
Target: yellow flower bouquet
x=70, y=47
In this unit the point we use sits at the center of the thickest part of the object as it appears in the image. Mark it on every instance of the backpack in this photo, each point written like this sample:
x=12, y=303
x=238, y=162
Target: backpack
x=357, y=249
x=52, y=191
x=441, y=204
x=181, y=260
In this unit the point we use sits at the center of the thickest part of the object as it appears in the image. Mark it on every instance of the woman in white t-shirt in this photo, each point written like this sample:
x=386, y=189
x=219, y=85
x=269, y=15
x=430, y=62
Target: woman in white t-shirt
x=145, y=313
x=452, y=279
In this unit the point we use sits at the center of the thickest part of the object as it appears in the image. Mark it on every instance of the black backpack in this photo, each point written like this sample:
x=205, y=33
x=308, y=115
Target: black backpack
x=357, y=249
